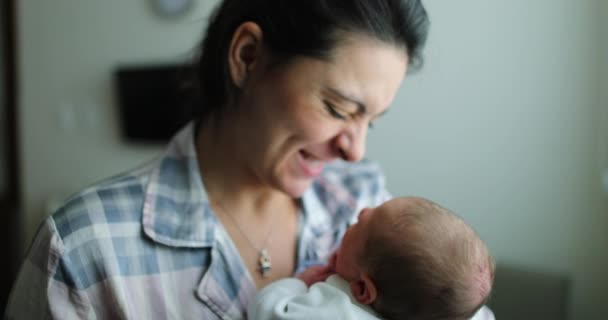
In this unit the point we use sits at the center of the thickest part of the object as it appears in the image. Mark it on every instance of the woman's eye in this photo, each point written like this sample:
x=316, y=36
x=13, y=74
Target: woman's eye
x=333, y=112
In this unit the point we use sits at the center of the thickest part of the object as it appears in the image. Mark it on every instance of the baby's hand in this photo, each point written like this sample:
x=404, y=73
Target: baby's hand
x=315, y=274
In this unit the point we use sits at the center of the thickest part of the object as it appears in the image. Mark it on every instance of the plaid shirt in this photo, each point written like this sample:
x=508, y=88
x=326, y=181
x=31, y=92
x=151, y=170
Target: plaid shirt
x=146, y=244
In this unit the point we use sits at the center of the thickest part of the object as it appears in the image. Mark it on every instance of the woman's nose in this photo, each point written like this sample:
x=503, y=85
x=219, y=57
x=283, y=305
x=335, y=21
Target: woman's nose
x=351, y=143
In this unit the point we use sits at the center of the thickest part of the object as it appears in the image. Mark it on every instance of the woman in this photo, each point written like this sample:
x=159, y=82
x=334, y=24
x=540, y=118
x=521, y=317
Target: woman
x=262, y=184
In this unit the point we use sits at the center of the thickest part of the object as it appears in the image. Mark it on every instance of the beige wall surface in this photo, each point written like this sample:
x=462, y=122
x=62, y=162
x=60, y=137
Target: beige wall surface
x=603, y=110
x=501, y=125
x=603, y=114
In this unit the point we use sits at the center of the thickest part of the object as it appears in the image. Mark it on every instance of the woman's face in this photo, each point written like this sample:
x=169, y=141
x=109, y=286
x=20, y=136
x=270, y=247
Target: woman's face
x=308, y=112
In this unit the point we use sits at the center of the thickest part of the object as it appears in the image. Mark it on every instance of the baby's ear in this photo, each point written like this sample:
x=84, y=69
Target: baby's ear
x=364, y=289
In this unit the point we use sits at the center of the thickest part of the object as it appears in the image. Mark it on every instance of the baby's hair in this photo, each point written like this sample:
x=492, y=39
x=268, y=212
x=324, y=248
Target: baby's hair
x=426, y=263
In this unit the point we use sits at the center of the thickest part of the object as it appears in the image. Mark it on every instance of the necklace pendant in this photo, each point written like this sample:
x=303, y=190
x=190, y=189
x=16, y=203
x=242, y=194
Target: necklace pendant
x=264, y=263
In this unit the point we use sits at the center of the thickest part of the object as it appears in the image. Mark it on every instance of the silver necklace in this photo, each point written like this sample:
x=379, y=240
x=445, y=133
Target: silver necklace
x=264, y=263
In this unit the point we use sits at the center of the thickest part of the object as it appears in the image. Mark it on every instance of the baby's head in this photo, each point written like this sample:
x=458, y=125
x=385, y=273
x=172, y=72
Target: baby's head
x=412, y=259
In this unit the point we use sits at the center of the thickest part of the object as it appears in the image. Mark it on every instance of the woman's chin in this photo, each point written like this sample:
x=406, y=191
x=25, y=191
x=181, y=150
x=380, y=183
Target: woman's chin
x=296, y=186
x=297, y=190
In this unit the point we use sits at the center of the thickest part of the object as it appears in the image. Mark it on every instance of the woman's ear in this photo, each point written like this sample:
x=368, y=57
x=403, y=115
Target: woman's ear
x=244, y=52
x=364, y=290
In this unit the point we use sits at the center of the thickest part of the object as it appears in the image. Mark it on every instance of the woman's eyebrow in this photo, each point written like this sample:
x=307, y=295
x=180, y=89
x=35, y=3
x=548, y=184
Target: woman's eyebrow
x=361, y=107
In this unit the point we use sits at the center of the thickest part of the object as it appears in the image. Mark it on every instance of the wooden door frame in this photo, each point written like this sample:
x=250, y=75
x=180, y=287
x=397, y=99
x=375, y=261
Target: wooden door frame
x=9, y=60
x=10, y=234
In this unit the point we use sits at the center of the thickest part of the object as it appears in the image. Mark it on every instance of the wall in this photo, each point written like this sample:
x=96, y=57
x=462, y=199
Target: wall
x=604, y=105
x=69, y=123
x=603, y=112
x=501, y=125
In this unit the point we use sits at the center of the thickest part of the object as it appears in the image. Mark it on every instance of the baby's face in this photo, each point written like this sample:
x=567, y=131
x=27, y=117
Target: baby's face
x=346, y=260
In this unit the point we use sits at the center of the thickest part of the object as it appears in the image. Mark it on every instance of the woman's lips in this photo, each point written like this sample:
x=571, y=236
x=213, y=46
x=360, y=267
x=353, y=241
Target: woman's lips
x=309, y=164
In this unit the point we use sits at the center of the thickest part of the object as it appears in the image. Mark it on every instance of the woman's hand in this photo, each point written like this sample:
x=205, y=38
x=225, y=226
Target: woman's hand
x=315, y=274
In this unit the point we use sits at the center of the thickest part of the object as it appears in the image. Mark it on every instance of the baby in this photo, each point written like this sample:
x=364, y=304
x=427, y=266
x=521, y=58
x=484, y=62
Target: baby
x=406, y=259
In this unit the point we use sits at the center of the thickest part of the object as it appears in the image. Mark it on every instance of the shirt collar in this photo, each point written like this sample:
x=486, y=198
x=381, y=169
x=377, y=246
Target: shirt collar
x=176, y=210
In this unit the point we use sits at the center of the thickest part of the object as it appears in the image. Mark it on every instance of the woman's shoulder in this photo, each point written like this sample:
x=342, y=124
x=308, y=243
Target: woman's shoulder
x=85, y=215
x=97, y=233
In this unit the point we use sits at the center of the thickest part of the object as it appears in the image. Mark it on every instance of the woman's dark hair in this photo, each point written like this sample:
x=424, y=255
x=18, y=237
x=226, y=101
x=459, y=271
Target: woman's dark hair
x=295, y=28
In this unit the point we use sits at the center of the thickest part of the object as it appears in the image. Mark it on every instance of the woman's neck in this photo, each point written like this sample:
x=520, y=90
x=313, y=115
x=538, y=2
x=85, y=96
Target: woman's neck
x=226, y=176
